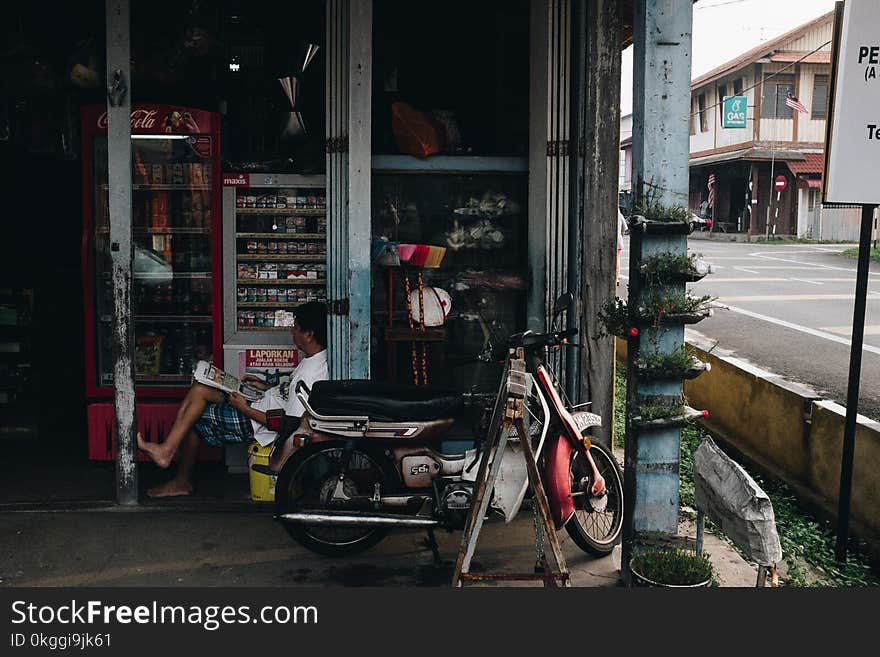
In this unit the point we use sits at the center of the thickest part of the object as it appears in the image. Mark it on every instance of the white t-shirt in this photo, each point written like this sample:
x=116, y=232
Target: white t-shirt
x=311, y=369
x=621, y=227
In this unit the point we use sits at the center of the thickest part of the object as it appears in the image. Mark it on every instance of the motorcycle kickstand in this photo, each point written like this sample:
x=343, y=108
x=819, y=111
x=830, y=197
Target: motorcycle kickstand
x=431, y=543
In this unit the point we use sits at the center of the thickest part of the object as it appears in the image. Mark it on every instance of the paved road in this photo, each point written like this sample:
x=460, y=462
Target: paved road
x=788, y=309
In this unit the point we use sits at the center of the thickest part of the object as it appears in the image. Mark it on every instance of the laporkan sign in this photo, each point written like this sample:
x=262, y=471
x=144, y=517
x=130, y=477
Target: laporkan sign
x=853, y=132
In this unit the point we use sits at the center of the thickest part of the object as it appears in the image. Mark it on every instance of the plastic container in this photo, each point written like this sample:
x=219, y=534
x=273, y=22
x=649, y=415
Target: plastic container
x=262, y=485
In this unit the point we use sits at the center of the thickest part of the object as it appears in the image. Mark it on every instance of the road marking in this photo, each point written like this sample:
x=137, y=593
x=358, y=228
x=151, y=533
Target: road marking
x=802, y=329
x=748, y=271
x=744, y=279
x=811, y=264
x=847, y=330
x=799, y=297
x=804, y=280
x=781, y=267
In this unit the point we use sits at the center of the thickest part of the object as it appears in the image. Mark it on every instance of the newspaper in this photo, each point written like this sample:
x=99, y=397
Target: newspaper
x=212, y=376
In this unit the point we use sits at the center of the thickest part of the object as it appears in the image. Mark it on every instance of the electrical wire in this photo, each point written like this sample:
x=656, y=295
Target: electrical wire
x=764, y=79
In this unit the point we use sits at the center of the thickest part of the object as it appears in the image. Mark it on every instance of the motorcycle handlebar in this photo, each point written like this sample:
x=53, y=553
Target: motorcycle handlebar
x=552, y=339
x=527, y=339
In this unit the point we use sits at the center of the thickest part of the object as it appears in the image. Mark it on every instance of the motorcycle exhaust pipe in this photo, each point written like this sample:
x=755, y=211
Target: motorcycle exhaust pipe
x=342, y=519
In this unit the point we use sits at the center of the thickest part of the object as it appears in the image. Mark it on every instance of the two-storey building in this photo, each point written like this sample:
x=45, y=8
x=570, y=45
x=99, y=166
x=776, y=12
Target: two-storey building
x=777, y=140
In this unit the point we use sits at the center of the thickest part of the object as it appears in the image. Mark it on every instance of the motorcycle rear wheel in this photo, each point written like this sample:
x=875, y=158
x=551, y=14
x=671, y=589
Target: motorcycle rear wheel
x=304, y=485
x=597, y=521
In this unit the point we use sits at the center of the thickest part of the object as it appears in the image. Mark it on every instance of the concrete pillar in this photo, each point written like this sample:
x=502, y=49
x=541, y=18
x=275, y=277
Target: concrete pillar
x=661, y=107
x=121, y=251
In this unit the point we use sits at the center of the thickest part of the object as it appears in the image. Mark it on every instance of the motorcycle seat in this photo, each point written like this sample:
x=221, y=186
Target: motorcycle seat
x=384, y=402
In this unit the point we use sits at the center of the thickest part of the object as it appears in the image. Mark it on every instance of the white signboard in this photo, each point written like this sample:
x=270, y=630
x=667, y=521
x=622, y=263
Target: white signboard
x=854, y=132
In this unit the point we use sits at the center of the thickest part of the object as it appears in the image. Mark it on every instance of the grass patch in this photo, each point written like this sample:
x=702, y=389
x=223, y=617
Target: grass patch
x=854, y=254
x=807, y=543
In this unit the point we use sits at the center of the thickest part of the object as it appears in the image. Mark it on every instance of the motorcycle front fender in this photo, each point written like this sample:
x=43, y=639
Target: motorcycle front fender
x=557, y=480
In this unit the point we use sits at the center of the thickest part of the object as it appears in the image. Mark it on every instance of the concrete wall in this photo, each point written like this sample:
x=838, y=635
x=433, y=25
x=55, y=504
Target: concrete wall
x=787, y=431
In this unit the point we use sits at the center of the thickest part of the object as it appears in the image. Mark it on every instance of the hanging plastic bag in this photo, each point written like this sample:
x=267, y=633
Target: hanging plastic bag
x=415, y=132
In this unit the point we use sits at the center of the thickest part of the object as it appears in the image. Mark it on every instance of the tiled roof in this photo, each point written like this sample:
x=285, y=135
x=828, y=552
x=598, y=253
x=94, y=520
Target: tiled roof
x=812, y=163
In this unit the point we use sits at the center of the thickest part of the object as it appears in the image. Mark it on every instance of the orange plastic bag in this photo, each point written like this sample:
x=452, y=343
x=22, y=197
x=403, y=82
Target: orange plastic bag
x=415, y=133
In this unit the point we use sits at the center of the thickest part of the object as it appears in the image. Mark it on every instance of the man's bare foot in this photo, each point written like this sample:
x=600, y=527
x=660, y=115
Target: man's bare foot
x=171, y=488
x=157, y=452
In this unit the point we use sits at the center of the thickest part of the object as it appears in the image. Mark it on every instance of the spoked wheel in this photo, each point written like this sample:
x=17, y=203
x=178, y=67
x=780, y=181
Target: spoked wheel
x=317, y=478
x=597, y=521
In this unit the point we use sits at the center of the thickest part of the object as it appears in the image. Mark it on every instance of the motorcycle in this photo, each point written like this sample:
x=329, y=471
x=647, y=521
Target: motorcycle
x=370, y=460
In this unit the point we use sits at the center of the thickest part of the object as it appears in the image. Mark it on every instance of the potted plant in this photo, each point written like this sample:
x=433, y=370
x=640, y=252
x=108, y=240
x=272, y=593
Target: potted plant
x=655, y=217
x=614, y=316
x=679, y=364
x=668, y=267
x=660, y=411
x=676, y=309
x=671, y=568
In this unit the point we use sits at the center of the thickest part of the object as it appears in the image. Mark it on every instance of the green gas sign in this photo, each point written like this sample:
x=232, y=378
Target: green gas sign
x=735, y=110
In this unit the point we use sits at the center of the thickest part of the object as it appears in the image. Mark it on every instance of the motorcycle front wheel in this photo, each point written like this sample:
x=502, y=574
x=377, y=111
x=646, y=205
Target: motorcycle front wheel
x=597, y=521
x=309, y=481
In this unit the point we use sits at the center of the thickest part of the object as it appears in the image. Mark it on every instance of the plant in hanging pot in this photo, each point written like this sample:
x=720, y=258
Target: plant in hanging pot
x=614, y=316
x=668, y=267
x=671, y=568
x=676, y=308
x=651, y=216
x=679, y=364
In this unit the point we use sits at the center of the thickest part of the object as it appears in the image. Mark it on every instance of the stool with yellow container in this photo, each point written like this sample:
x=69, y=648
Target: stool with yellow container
x=262, y=481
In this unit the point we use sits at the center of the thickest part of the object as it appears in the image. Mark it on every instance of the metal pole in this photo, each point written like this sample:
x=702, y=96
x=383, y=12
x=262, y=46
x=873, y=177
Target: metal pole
x=119, y=182
x=852, y=395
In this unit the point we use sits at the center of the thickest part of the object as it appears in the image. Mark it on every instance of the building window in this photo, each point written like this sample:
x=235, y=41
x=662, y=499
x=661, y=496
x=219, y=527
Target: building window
x=776, y=89
x=820, y=97
x=704, y=119
x=738, y=87
x=693, y=121
x=722, y=92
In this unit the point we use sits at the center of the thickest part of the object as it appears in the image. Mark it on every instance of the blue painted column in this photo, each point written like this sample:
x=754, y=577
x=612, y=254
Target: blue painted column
x=661, y=106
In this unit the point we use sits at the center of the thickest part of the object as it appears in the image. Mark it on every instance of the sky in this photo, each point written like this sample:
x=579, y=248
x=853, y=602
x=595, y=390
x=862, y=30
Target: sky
x=724, y=29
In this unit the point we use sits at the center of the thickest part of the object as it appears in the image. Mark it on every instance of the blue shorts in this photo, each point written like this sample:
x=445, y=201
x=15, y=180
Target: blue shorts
x=221, y=424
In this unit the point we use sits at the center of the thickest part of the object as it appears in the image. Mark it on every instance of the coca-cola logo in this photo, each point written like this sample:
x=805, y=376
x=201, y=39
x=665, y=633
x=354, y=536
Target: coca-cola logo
x=141, y=119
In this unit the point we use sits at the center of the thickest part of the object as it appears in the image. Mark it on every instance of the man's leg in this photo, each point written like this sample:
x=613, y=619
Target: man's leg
x=189, y=413
x=186, y=461
x=281, y=453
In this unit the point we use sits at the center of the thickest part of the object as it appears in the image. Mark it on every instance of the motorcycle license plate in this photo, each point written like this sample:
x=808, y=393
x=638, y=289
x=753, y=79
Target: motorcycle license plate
x=586, y=420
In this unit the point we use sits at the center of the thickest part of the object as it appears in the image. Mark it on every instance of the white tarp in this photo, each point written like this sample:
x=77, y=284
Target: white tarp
x=733, y=501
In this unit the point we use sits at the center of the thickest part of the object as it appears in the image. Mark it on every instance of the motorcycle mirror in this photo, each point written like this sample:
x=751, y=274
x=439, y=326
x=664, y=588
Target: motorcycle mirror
x=563, y=303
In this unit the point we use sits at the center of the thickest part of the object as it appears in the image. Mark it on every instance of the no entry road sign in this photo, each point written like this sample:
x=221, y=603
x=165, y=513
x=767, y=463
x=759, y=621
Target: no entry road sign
x=780, y=183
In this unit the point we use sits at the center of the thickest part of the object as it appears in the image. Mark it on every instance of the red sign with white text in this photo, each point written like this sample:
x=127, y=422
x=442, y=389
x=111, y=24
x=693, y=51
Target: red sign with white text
x=159, y=120
x=780, y=183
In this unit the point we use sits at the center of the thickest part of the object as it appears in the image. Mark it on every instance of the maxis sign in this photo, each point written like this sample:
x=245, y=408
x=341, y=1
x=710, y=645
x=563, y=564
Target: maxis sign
x=853, y=131
x=735, y=112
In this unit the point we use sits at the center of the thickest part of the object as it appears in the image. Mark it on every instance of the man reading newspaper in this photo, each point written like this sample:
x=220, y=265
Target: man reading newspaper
x=221, y=418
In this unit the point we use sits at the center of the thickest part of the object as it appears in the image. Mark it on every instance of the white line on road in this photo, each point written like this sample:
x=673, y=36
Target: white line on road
x=802, y=329
x=748, y=271
x=804, y=280
x=799, y=297
x=847, y=330
x=811, y=264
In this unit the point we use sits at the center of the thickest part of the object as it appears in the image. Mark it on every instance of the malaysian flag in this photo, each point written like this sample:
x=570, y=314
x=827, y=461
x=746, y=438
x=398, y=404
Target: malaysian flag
x=711, y=200
x=795, y=104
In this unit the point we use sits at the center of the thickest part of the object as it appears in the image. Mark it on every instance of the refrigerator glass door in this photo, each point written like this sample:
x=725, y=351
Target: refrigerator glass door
x=171, y=277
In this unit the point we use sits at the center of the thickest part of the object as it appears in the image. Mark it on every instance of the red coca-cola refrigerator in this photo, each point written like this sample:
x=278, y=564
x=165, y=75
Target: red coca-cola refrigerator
x=176, y=275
